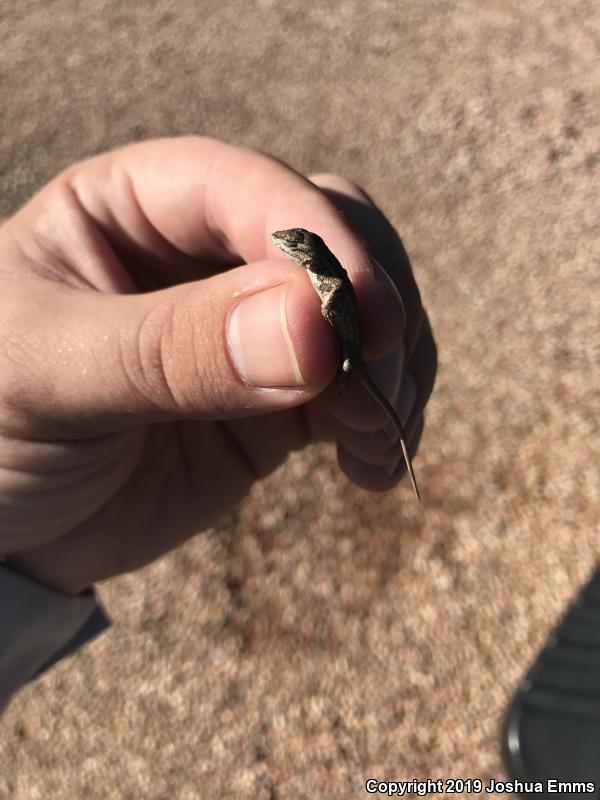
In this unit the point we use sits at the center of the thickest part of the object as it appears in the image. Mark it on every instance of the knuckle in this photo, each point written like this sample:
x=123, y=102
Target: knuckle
x=21, y=347
x=146, y=357
x=170, y=357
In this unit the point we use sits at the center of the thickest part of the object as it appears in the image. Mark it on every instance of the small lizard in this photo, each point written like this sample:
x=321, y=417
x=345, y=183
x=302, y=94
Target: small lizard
x=339, y=307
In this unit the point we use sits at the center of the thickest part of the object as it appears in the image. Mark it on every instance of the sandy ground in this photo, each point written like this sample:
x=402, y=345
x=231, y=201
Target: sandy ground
x=321, y=634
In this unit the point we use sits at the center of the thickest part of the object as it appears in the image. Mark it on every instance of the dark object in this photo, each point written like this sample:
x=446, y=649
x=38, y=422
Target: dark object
x=552, y=728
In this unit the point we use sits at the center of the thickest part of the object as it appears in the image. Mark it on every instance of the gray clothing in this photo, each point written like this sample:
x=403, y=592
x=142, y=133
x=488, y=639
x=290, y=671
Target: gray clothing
x=38, y=627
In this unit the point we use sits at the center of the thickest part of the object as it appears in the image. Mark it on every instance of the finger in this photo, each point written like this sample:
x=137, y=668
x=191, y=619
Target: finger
x=85, y=363
x=193, y=197
x=422, y=366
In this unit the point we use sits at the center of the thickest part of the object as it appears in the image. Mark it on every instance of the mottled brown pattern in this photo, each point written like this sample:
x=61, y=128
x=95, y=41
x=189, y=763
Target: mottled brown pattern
x=305, y=645
x=339, y=307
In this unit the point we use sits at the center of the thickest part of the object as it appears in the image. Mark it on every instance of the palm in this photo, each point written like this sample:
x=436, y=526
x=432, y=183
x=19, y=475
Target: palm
x=147, y=490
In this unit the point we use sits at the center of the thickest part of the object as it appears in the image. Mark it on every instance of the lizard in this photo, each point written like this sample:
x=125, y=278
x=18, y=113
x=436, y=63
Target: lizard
x=340, y=308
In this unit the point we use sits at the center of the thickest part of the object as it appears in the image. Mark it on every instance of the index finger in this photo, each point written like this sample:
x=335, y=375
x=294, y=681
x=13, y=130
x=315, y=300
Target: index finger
x=209, y=201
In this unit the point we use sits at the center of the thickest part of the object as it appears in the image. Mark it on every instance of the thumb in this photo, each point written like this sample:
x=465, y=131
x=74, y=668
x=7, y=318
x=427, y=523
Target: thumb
x=80, y=363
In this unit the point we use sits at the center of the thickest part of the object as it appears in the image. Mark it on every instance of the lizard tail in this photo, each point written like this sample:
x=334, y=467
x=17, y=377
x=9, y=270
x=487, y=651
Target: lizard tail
x=411, y=473
x=382, y=401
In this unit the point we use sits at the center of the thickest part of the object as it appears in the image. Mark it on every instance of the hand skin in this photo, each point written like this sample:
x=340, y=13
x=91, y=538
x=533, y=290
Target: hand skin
x=125, y=427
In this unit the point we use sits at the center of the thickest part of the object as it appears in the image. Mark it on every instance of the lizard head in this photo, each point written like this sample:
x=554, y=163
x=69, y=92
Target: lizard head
x=297, y=243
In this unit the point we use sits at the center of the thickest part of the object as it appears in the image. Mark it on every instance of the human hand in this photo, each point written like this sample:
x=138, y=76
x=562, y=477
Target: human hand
x=144, y=351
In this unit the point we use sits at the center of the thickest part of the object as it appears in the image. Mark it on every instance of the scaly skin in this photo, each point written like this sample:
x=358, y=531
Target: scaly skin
x=339, y=307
